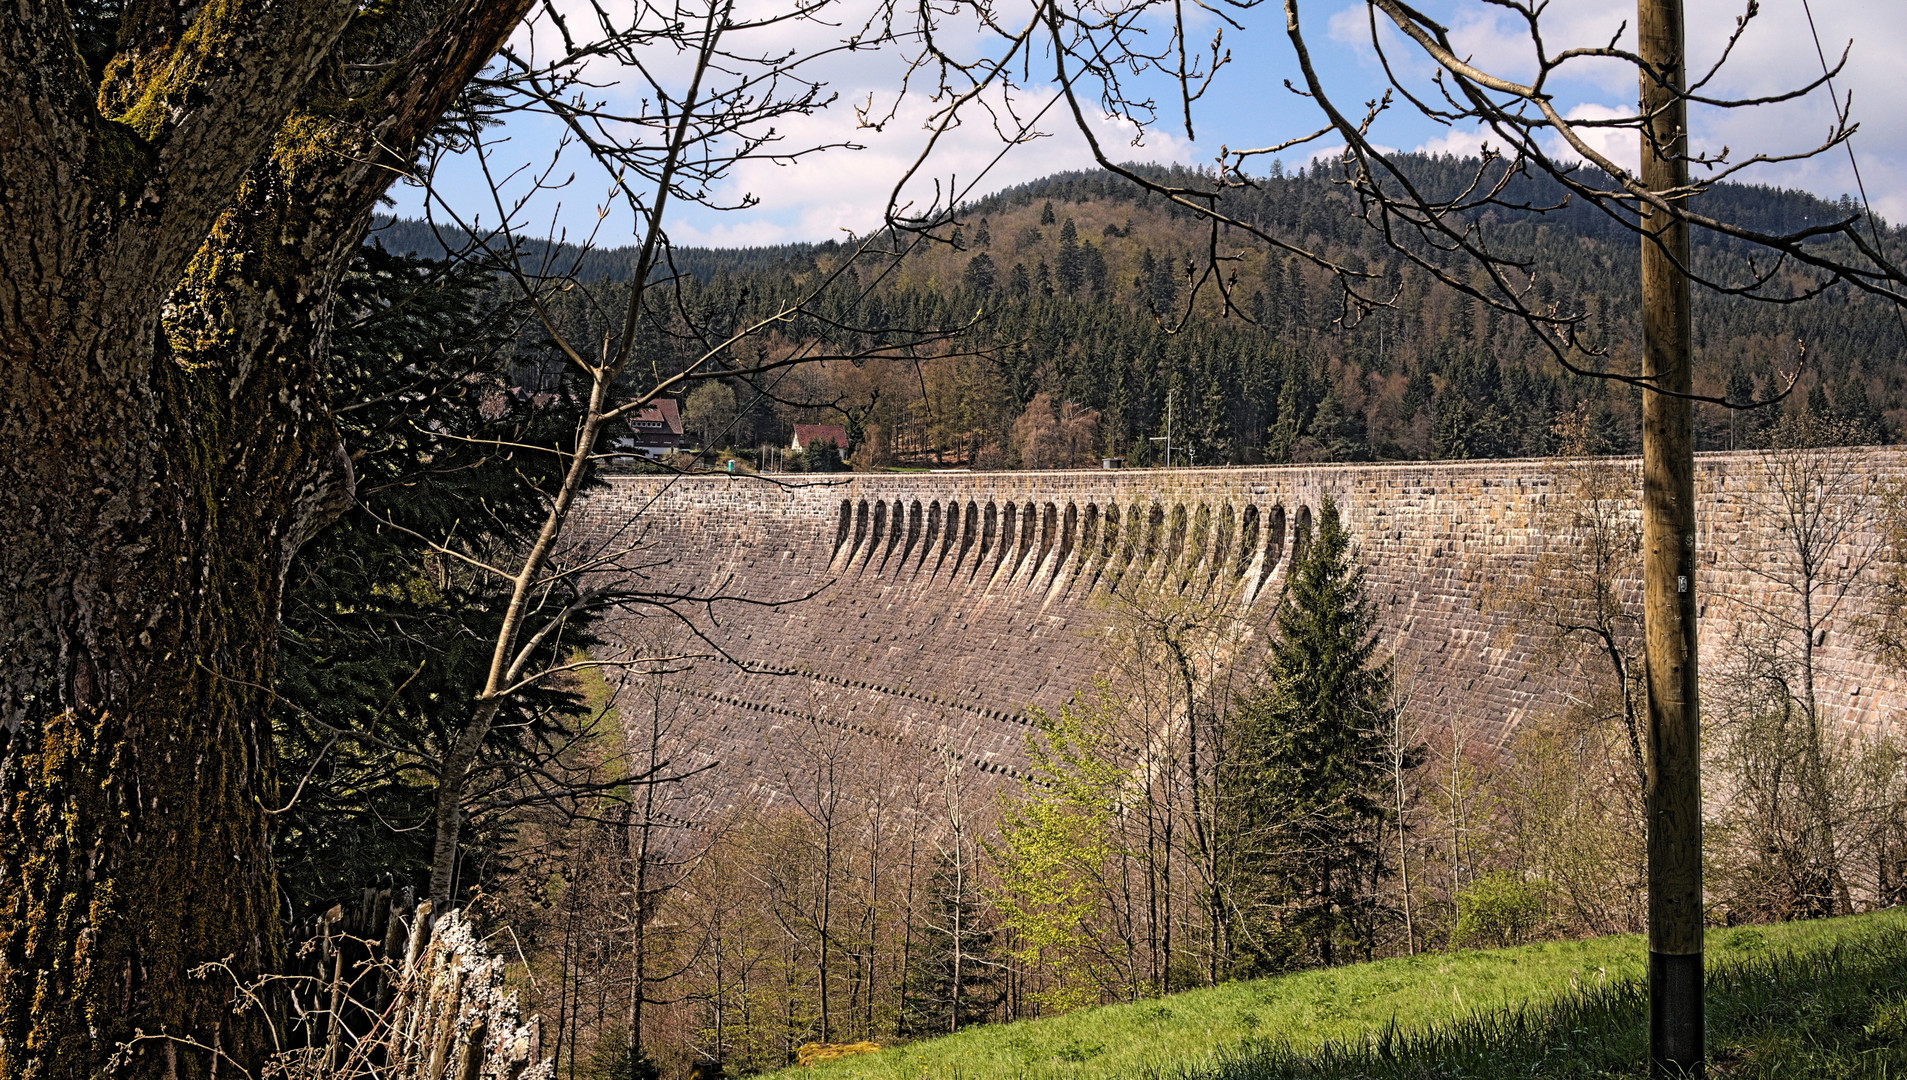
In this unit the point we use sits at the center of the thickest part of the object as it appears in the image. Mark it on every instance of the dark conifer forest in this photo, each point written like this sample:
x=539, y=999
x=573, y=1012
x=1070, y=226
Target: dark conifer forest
x=1092, y=312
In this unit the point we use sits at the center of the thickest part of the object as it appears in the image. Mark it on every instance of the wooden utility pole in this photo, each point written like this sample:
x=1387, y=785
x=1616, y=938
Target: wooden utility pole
x=1674, y=796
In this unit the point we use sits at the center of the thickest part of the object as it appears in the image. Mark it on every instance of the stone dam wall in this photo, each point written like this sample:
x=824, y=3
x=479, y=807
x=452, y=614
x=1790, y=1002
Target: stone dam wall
x=929, y=612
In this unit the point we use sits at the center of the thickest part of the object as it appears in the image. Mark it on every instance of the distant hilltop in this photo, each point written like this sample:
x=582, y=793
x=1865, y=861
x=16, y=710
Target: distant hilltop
x=1091, y=315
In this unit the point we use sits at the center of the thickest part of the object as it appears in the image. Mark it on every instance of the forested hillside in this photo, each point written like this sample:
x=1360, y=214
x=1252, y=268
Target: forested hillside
x=1092, y=319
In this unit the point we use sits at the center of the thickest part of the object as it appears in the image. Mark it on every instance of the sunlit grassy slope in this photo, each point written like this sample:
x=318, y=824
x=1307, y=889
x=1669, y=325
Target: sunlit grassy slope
x=1226, y=1030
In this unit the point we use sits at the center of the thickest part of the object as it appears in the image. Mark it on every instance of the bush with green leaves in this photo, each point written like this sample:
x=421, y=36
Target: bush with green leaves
x=1498, y=910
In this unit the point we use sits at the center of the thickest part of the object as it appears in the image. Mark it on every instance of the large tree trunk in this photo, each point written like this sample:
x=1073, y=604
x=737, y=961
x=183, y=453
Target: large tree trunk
x=135, y=785
x=155, y=481
x=170, y=234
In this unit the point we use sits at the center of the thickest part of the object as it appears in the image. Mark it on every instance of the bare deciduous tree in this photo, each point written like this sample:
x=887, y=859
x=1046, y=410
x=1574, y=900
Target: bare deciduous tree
x=1809, y=548
x=720, y=88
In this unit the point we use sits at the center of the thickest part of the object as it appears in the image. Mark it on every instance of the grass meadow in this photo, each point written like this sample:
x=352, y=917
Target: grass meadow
x=1806, y=999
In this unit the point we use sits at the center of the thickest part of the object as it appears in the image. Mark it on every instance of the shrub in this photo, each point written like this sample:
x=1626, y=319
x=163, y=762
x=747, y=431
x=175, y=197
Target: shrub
x=809, y=1055
x=1497, y=910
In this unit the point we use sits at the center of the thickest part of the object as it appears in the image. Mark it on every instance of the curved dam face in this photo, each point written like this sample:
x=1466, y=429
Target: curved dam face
x=915, y=618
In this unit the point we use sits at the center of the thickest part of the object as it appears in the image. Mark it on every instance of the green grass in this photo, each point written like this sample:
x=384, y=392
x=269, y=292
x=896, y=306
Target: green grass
x=1816, y=999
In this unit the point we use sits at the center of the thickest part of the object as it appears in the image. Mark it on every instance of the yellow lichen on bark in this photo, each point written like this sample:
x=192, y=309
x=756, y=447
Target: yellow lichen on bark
x=141, y=92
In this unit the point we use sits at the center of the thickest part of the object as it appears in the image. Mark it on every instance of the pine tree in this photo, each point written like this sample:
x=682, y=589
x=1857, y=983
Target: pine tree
x=1818, y=404
x=1418, y=394
x=980, y=274
x=1304, y=799
x=378, y=633
x=1294, y=393
x=1297, y=310
x=956, y=977
x=1338, y=432
x=1745, y=425
x=1092, y=270
x=1856, y=410
x=821, y=456
x=1018, y=283
x=1066, y=268
x=1164, y=286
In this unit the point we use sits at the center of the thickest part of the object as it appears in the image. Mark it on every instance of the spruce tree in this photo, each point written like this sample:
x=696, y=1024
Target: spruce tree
x=955, y=977
x=981, y=274
x=380, y=636
x=1304, y=798
x=1740, y=388
x=821, y=456
x=1066, y=267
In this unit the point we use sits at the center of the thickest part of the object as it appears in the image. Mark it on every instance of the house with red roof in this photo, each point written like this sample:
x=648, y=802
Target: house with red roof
x=809, y=433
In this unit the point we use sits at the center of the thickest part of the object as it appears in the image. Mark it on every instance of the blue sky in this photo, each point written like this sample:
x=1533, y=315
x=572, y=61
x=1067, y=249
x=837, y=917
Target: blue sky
x=840, y=190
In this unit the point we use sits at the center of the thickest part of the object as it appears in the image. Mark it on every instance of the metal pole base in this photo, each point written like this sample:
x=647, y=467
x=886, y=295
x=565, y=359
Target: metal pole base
x=1676, y=1032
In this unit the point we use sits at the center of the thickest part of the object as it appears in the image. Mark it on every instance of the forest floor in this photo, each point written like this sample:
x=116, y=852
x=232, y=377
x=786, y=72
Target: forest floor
x=1805, y=999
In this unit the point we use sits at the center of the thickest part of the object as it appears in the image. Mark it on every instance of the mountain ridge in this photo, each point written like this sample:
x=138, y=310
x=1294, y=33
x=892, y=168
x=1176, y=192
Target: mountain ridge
x=1093, y=300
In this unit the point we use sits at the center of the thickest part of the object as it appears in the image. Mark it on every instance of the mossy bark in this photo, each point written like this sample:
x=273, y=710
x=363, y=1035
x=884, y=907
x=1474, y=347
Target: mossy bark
x=170, y=236
x=133, y=843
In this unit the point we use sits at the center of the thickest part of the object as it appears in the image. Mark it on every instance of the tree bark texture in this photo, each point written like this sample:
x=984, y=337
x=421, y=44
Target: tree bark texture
x=1674, y=789
x=170, y=232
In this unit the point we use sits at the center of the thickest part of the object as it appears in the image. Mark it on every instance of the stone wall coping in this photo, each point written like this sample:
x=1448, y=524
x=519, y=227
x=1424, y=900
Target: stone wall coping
x=1220, y=475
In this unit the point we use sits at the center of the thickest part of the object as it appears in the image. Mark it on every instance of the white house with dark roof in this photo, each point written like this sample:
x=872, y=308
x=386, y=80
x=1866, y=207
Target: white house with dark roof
x=655, y=430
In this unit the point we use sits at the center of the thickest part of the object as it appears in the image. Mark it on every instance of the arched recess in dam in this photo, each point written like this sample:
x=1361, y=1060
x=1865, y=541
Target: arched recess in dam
x=932, y=611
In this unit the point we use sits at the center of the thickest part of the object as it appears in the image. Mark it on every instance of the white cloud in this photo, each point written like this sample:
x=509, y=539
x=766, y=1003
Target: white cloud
x=1779, y=54
x=842, y=191
x=1493, y=39
x=1461, y=142
x=1775, y=54
x=820, y=195
x=1620, y=146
